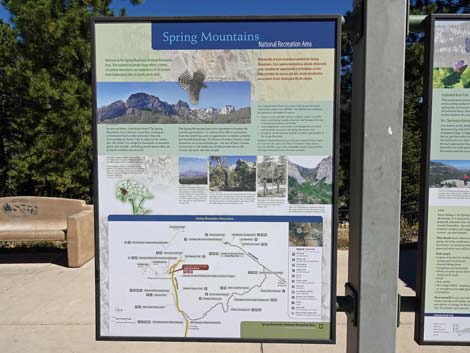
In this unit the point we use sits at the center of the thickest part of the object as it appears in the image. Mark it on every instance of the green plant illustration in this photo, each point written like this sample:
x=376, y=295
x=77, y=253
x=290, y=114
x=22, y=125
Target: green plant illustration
x=135, y=193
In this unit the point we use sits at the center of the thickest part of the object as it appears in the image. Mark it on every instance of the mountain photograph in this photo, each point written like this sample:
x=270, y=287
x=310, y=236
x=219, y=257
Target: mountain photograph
x=449, y=174
x=165, y=103
x=193, y=170
x=310, y=180
x=232, y=173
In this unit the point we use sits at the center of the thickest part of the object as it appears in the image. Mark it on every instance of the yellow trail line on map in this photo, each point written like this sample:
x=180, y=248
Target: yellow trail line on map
x=175, y=288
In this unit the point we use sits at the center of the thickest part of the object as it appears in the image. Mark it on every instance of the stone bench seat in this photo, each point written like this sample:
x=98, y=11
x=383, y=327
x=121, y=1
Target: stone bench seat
x=37, y=235
x=50, y=219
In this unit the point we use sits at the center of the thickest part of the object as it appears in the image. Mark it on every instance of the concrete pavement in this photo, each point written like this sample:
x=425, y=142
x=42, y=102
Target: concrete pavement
x=48, y=308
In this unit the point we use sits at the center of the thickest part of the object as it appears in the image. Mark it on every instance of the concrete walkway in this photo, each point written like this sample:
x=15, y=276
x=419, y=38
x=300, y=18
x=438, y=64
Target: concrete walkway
x=48, y=308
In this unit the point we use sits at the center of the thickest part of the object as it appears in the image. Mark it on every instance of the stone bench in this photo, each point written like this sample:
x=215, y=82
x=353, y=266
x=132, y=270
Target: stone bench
x=32, y=218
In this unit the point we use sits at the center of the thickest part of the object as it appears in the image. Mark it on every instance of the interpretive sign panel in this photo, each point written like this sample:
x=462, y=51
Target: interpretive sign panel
x=216, y=178
x=444, y=283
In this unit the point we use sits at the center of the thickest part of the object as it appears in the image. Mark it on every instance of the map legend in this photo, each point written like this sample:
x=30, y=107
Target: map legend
x=305, y=282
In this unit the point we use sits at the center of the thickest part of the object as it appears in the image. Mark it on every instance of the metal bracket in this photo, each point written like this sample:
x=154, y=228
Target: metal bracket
x=348, y=303
x=406, y=305
x=417, y=23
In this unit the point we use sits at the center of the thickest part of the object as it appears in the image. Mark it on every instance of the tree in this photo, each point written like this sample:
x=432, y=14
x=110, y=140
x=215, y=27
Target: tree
x=345, y=124
x=413, y=114
x=280, y=172
x=245, y=176
x=219, y=168
x=265, y=172
x=45, y=100
x=46, y=147
x=14, y=81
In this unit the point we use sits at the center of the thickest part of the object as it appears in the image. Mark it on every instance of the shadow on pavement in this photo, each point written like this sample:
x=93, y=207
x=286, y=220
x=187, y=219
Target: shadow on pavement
x=407, y=270
x=33, y=255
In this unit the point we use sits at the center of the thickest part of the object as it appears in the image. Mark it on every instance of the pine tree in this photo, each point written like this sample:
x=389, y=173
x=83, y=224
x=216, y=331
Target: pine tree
x=45, y=90
x=14, y=80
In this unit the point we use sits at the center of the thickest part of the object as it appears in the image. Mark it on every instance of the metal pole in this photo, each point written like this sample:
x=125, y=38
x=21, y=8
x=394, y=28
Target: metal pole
x=376, y=143
x=415, y=24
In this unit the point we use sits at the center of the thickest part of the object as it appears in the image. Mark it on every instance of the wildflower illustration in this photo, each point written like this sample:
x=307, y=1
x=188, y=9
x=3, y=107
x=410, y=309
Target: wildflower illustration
x=135, y=193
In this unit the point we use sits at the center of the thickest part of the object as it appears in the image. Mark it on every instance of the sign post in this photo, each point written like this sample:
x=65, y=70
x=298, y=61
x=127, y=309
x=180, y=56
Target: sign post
x=216, y=144
x=376, y=144
x=444, y=285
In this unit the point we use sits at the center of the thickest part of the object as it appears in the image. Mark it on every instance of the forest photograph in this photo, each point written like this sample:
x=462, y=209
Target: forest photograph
x=232, y=173
x=272, y=176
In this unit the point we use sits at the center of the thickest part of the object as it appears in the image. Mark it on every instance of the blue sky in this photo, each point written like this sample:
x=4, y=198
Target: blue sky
x=236, y=7
x=216, y=95
x=197, y=164
x=224, y=7
x=464, y=165
x=229, y=160
x=4, y=15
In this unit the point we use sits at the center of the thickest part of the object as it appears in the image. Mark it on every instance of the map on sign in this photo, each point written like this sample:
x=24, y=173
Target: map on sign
x=195, y=279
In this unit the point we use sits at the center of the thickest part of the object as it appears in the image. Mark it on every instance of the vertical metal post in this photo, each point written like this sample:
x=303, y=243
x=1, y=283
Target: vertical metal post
x=376, y=147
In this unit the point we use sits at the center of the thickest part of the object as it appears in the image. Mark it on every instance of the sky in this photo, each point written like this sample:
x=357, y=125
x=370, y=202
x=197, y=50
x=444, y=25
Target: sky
x=236, y=7
x=4, y=15
x=461, y=164
x=216, y=95
x=230, y=160
x=224, y=7
x=196, y=164
x=306, y=162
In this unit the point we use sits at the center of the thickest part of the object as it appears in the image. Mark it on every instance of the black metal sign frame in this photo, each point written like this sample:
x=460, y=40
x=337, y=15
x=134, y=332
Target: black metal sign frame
x=307, y=18
x=424, y=187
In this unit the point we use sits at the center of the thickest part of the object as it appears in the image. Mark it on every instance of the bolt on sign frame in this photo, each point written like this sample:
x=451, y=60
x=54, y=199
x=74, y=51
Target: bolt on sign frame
x=443, y=285
x=216, y=178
